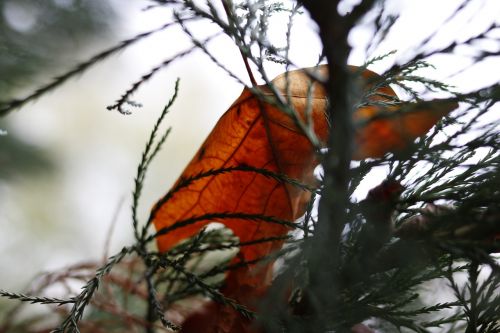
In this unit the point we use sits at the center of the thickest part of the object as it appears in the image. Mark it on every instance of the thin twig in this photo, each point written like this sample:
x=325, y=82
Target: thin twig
x=243, y=56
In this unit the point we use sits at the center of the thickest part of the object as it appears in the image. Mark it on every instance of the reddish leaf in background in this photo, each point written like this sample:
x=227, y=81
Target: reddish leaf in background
x=260, y=135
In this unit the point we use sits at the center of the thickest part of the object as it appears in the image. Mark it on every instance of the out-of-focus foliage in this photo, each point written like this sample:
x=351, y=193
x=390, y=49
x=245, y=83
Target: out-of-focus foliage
x=37, y=36
x=17, y=157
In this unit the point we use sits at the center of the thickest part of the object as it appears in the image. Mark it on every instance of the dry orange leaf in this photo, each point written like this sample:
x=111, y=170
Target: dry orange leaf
x=392, y=133
x=257, y=134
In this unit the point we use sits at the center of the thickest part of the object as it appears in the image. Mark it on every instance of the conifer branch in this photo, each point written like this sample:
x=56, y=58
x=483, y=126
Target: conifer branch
x=7, y=106
x=35, y=299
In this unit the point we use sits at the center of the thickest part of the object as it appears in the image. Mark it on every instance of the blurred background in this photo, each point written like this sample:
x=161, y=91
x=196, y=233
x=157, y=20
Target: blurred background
x=67, y=164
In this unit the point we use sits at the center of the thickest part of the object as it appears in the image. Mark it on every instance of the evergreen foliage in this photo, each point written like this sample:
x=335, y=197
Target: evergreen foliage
x=438, y=224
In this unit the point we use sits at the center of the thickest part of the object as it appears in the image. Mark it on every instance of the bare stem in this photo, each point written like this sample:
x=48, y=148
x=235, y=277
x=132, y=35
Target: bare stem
x=243, y=56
